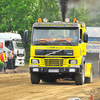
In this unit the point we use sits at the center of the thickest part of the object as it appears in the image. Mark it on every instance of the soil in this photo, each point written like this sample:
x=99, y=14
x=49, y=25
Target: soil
x=15, y=85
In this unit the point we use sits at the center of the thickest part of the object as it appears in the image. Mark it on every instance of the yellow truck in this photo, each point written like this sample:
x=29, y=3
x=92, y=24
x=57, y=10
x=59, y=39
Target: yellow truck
x=58, y=50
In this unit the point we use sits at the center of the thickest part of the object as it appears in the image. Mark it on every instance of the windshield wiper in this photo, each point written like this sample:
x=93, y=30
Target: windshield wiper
x=56, y=42
x=38, y=42
x=66, y=42
x=47, y=42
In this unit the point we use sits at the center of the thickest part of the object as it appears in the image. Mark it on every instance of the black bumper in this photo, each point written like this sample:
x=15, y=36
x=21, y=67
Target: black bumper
x=59, y=70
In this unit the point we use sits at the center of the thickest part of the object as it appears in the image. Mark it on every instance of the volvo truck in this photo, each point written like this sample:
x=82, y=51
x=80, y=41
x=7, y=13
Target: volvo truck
x=58, y=50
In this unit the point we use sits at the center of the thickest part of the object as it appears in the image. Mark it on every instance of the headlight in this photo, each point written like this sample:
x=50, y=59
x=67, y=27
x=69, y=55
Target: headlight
x=34, y=61
x=67, y=20
x=45, y=20
x=72, y=61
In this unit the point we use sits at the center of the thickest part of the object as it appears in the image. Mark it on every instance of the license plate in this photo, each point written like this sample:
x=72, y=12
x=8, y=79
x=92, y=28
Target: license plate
x=34, y=65
x=53, y=70
x=71, y=70
x=35, y=69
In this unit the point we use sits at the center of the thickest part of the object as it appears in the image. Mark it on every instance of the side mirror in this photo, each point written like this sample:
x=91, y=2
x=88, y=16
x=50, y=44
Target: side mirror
x=85, y=38
x=26, y=37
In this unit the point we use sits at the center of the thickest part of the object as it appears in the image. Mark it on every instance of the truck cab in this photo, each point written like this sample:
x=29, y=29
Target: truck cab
x=13, y=41
x=58, y=50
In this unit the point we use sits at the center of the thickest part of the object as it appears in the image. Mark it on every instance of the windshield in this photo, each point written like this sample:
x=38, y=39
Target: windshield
x=18, y=45
x=55, y=36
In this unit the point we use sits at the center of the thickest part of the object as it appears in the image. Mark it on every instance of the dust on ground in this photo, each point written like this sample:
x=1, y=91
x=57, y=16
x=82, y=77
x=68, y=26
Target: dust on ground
x=16, y=70
x=16, y=85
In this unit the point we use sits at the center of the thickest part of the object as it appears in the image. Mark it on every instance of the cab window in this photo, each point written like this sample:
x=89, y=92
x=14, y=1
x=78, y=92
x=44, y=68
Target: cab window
x=9, y=45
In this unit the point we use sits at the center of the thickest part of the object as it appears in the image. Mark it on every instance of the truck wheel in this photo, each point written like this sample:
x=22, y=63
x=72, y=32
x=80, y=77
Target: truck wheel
x=34, y=78
x=89, y=79
x=80, y=78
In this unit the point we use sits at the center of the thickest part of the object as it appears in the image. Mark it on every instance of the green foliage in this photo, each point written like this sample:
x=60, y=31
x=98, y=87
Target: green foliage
x=19, y=15
x=49, y=9
x=80, y=14
x=1, y=64
x=94, y=22
x=16, y=15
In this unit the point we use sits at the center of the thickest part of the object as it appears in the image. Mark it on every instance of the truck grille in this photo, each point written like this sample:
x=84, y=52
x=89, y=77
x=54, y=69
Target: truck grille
x=20, y=55
x=53, y=62
x=54, y=52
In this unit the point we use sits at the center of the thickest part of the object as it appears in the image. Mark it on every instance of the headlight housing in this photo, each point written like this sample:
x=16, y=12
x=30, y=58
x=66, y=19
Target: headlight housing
x=72, y=61
x=34, y=61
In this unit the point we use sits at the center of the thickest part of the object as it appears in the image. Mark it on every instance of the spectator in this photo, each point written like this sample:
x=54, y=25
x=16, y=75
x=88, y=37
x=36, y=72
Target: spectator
x=0, y=56
x=5, y=60
x=10, y=64
x=2, y=59
x=13, y=59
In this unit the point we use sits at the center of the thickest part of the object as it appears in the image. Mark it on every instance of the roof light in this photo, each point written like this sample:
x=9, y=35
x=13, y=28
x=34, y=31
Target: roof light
x=16, y=32
x=39, y=20
x=67, y=20
x=45, y=20
x=74, y=21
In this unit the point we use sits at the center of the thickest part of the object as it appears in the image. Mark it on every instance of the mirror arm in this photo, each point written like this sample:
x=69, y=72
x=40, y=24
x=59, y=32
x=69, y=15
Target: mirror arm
x=80, y=41
x=29, y=40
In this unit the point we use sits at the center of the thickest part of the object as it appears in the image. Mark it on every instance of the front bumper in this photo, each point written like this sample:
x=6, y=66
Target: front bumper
x=19, y=62
x=55, y=69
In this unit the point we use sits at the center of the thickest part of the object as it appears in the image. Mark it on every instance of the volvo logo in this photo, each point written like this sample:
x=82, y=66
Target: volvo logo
x=54, y=52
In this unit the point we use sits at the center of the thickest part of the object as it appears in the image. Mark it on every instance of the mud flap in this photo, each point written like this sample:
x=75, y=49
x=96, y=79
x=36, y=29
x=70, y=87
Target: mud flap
x=93, y=58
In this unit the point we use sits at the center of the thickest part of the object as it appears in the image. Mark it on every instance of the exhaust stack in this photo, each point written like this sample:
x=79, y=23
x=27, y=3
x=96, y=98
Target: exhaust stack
x=63, y=8
x=63, y=4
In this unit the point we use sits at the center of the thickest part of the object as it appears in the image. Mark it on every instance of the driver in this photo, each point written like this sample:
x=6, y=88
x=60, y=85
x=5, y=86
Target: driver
x=74, y=36
x=52, y=35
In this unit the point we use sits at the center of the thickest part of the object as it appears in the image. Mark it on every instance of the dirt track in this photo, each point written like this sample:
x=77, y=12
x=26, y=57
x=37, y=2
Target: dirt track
x=17, y=86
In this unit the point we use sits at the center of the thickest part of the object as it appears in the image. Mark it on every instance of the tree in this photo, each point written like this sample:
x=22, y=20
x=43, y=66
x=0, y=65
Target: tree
x=49, y=9
x=17, y=15
x=80, y=14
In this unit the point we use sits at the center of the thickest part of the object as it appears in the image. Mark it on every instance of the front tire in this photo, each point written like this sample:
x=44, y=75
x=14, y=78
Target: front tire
x=80, y=78
x=35, y=79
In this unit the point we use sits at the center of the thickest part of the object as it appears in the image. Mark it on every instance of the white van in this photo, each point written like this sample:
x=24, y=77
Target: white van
x=13, y=41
